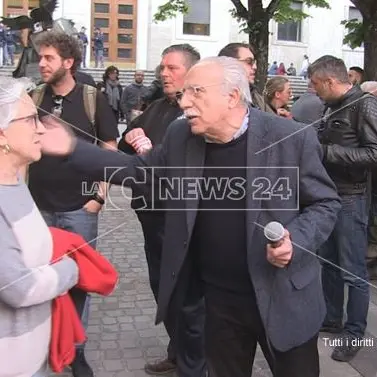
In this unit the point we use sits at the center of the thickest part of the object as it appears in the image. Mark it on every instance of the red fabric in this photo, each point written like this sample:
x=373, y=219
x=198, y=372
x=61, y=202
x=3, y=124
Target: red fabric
x=96, y=275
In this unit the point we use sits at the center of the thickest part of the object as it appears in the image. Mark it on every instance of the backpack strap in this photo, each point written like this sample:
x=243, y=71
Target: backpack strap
x=90, y=104
x=38, y=94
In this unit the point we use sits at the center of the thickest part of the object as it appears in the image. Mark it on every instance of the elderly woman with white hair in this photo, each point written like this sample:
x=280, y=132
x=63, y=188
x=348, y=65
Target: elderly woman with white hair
x=28, y=280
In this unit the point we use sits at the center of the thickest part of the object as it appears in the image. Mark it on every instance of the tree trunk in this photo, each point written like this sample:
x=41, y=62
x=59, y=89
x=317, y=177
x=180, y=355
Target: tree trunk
x=370, y=50
x=258, y=39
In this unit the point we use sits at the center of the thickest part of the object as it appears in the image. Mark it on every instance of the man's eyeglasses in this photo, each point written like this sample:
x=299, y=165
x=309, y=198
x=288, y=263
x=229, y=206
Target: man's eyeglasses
x=57, y=108
x=249, y=61
x=193, y=91
x=32, y=119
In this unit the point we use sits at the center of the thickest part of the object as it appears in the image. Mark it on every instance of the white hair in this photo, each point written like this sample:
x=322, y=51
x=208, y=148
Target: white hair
x=370, y=87
x=11, y=91
x=235, y=75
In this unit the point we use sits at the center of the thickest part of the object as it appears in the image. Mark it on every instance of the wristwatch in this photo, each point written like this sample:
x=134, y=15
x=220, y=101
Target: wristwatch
x=98, y=199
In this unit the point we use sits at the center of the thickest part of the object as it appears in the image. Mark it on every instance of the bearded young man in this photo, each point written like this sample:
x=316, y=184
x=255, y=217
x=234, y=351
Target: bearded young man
x=56, y=187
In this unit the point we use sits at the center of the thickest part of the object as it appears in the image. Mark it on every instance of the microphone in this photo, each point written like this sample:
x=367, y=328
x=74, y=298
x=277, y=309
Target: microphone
x=274, y=232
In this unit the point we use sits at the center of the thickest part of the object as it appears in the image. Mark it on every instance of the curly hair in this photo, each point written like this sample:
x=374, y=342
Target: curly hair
x=109, y=70
x=66, y=45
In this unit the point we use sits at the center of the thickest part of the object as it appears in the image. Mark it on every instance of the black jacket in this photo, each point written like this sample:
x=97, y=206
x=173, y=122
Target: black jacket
x=154, y=121
x=349, y=136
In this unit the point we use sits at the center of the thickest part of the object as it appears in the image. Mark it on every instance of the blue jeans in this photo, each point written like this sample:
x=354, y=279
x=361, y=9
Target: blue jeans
x=347, y=248
x=85, y=224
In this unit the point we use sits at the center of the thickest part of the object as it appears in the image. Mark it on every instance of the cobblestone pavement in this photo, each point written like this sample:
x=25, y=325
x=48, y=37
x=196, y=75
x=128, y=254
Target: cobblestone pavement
x=122, y=336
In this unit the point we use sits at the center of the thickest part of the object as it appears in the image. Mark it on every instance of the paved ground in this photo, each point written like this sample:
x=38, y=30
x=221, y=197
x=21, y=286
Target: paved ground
x=122, y=334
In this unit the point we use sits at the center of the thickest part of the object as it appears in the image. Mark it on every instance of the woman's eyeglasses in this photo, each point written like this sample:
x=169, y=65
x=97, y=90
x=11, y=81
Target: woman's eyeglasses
x=32, y=119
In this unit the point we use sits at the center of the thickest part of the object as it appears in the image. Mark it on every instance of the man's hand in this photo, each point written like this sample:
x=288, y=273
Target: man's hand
x=137, y=139
x=58, y=139
x=92, y=206
x=280, y=255
x=130, y=136
x=284, y=113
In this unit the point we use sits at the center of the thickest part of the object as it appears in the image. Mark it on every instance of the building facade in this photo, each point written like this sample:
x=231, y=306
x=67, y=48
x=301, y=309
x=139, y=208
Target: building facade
x=133, y=38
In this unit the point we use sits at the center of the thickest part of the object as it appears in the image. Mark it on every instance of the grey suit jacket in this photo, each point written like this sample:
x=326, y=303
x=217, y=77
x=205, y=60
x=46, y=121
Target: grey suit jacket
x=286, y=182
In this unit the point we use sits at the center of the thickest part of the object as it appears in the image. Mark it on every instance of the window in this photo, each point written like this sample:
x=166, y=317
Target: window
x=124, y=53
x=17, y=4
x=125, y=38
x=125, y=9
x=101, y=22
x=354, y=14
x=102, y=8
x=291, y=30
x=197, y=20
x=125, y=24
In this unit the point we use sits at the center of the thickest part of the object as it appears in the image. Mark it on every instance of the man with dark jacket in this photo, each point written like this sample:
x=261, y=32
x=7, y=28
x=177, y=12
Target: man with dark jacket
x=348, y=135
x=188, y=355
x=254, y=292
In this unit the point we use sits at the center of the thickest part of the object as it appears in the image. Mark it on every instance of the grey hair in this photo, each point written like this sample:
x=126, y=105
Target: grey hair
x=11, y=91
x=370, y=87
x=235, y=76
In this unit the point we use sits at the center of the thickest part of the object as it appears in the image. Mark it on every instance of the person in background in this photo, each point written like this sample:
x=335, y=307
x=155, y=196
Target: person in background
x=356, y=75
x=291, y=71
x=273, y=69
x=304, y=67
x=154, y=91
x=84, y=39
x=308, y=108
x=281, y=70
x=348, y=135
x=371, y=87
x=131, y=102
x=185, y=349
x=277, y=94
x=10, y=45
x=245, y=54
x=111, y=88
x=28, y=282
x=98, y=47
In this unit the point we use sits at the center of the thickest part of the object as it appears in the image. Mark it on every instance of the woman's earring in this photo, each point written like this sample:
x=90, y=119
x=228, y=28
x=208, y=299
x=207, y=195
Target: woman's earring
x=6, y=148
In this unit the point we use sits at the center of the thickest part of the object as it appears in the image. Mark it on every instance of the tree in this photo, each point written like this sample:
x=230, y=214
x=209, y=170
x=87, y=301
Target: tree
x=254, y=20
x=365, y=32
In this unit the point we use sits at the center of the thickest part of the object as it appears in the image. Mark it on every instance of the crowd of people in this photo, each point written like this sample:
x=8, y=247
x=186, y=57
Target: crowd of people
x=220, y=286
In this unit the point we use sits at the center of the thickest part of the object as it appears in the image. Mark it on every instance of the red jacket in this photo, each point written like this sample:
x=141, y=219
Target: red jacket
x=96, y=275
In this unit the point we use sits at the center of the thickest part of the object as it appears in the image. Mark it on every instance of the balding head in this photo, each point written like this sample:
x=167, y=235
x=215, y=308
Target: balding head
x=369, y=87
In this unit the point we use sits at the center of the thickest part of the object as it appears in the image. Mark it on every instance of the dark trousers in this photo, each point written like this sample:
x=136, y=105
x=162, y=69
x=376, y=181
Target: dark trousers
x=186, y=346
x=232, y=332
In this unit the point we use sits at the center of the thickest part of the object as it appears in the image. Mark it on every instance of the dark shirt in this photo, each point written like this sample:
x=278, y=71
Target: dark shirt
x=219, y=237
x=55, y=186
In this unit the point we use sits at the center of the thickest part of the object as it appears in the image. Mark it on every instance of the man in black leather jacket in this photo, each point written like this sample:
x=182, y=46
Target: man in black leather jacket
x=348, y=133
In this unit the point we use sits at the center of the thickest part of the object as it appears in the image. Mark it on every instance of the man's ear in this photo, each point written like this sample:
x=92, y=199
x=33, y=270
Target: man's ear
x=68, y=63
x=234, y=98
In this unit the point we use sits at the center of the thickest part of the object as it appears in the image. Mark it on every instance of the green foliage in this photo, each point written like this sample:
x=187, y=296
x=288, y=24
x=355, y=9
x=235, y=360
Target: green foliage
x=356, y=33
x=170, y=10
x=285, y=13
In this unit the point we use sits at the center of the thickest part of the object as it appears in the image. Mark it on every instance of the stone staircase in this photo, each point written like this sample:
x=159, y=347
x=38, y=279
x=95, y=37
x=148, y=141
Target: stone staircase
x=127, y=77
